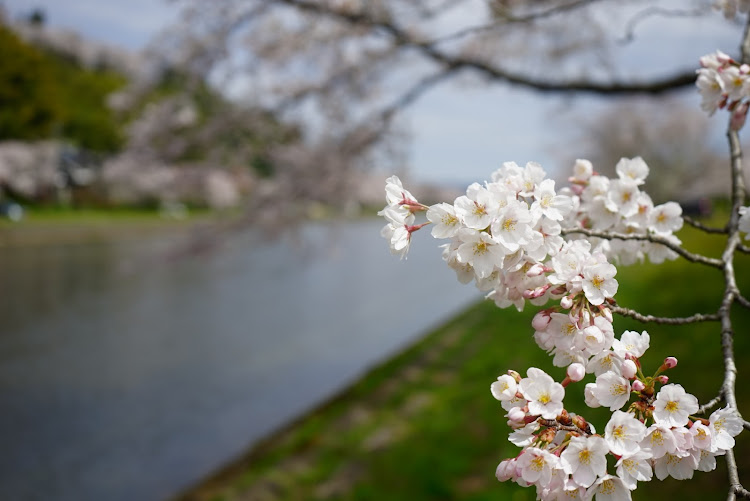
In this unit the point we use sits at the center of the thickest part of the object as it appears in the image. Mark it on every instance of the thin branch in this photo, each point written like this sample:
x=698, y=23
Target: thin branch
x=697, y=224
x=698, y=317
x=742, y=300
x=656, y=11
x=743, y=248
x=511, y=19
x=402, y=38
x=414, y=92
x=711, y=404
x=610, y=235
x=731, y=291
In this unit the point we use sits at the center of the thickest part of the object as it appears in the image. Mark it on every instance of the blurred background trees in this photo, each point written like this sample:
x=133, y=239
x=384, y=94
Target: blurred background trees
x=290, y=102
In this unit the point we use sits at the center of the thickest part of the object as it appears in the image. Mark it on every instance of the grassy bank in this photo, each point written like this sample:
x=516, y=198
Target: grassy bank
x=67, y=226
x=424, y=426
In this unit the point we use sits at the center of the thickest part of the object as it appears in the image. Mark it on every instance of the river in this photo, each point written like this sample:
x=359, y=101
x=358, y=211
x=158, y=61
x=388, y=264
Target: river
x=129, y=374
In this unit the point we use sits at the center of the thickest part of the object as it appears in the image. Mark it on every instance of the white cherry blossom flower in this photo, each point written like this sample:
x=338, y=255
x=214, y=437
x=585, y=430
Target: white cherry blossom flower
x=680, y=467
x=585, y=459
x=623, y=197
x=634, y=468
x=599, y=283
x=536, y=465
x=701, y=436
x=480, y=250
x=609, y=488
x=523, y=437
x=623, y=433
x=725, y=424
x=659, y=440
x=632, y=169
x=504, y=388
x=477, y=208
x=550, y=204
x=543, y=393
x=605, y=361
x=582, y=170
x=673, y=405
x=611, y=390
x=512, y=227
x=631, y=343
x=444, y=219
x=395, y=194
x=666, y=218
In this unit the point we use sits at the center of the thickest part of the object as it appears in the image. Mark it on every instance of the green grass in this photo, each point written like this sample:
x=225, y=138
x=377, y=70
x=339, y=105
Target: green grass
x=424, y=426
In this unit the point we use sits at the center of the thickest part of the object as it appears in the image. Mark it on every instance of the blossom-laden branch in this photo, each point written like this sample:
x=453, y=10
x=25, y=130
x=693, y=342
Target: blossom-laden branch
x=657, y=239
x=731, y=291
x=698, y=317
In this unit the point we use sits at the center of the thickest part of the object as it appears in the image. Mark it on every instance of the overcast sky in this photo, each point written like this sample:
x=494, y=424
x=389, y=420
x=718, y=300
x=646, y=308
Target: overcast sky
x=459, y=133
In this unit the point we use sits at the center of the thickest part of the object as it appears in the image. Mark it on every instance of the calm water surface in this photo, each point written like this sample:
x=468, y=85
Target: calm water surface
x=126, y=374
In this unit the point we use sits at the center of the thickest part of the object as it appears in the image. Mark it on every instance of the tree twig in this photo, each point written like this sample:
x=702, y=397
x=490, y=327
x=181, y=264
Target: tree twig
x=427, y=48
x=611, y=235
x=698, y=317
x=697, y=224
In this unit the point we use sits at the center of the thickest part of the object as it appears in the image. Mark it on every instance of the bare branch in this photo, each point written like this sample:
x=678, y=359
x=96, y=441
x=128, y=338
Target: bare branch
x=710, y=405
x=742, y=300
x=457, y=62
x=608, y=235
x=657, y=11
x=731, y=291
x=698, y=317
x=697, y=224
x=511, y=19
x=743, y=248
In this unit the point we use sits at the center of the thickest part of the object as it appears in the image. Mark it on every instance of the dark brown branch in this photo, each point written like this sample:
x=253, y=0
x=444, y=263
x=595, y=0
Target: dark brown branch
x=511, y=19
x=457, y=62
x=697, y=224
x=657, y=11
x=698, y=317
x=610, y=235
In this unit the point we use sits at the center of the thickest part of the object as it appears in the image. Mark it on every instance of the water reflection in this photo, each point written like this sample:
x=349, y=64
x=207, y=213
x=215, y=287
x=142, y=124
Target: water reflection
x=126, y=375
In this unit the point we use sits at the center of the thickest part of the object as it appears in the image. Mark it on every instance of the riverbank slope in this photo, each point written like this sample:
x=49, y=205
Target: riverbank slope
x=424, y=426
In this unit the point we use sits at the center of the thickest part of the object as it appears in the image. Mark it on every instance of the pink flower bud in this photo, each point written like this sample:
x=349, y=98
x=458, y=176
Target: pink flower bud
x=739, y=114
x=535, y=270
x=670, y=362
x=663, y=379
x=566, y=302
x=516, y=415
x=515, y=375
x=541, y=321
x=606, y=313
x=536, y=293
x=629, y=369
x=638, y=385
x=506, y=470
x=576, y=372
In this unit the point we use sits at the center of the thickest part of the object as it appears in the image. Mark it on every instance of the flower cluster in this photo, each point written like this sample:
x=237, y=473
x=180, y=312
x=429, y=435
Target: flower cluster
x=508, y=236
x=724, y=83
x=564, y=457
